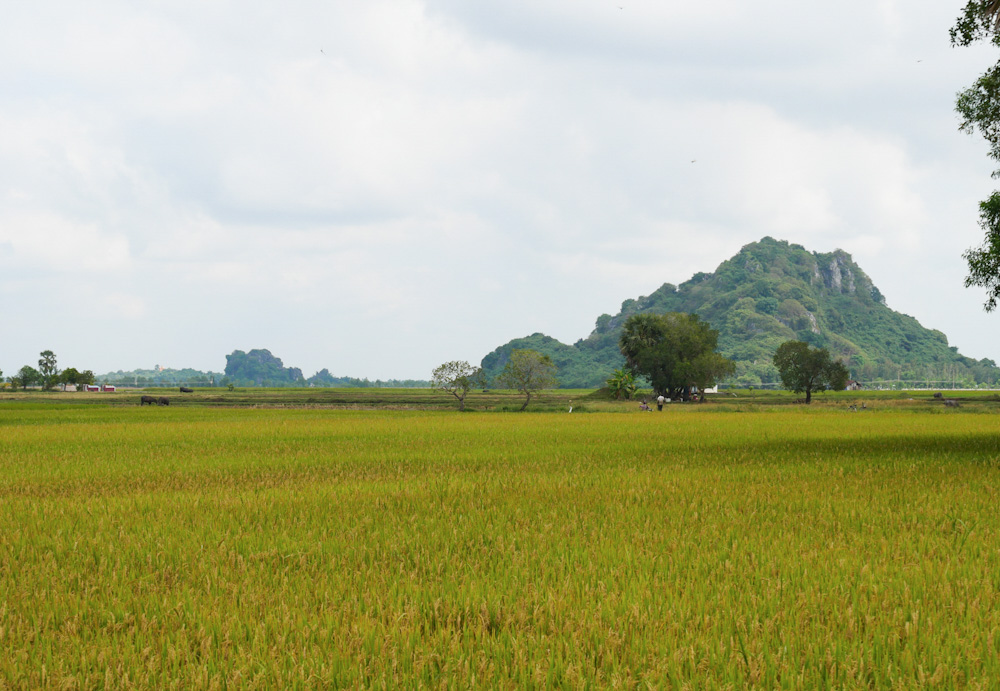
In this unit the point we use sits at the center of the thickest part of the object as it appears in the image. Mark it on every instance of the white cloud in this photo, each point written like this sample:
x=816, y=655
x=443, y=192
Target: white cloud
x=48, y=243
x=266, y=175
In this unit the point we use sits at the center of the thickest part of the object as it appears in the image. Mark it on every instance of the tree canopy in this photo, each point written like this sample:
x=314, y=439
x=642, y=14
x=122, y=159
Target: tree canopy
x=457, y=378
x=807, y=369
x=674, y=351
x=25, y=377
x=528, y=371
x=47, y=369
x=979, y=106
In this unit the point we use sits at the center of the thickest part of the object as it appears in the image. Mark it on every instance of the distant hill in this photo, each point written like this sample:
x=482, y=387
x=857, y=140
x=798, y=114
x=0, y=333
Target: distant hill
x=260, y=368
x=770, y=292
x=160, y=377
x=257, y=367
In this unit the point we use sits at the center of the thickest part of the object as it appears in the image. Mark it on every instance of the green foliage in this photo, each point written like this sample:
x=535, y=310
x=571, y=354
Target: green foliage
x=979, y=106
x=984, y=261
x=674, y=351
x=27, y=376
x=528, y=371
x=47, y=369
x=622, y=384
x=457, y=378
x=70, y=375
x=808, y=370
x=578, y=366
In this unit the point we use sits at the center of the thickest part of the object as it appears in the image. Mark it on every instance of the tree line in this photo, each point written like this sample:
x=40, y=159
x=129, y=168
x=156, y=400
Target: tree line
x=48, y=375
x=674, y=352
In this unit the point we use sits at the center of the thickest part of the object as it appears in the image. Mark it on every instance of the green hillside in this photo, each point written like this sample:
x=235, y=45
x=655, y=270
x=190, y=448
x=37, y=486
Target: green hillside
x=770, y=292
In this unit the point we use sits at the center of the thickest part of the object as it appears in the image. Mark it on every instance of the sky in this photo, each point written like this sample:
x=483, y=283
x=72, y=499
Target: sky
x=379, y=186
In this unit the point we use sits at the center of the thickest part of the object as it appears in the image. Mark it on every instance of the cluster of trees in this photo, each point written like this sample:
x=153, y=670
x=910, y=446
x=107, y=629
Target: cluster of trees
x=674, y=351
x=48, y=375
x=526, y=371
x=676, y=354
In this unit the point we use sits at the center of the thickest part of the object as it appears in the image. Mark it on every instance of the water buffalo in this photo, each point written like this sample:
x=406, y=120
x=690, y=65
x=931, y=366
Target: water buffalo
x=147, y=400
x=185, y=389
x=162, y=400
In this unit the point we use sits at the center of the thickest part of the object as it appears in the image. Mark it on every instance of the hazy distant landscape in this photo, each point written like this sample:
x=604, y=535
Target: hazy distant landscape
x=770, y=292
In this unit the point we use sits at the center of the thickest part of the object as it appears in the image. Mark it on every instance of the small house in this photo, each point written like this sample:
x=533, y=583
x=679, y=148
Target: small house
x=108, y=388
x=854, y=385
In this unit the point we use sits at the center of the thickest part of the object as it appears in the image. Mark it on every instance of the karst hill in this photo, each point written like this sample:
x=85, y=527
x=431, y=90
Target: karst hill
x=770, y=292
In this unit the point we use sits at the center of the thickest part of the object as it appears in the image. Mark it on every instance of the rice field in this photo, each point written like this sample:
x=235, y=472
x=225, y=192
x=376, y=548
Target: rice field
x=199, y=547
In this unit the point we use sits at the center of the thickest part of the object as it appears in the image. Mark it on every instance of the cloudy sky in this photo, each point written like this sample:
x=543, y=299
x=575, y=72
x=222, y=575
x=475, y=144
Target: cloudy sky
x=377, y=186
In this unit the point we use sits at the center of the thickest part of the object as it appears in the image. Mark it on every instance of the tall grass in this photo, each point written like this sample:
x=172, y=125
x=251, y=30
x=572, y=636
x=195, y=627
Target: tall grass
x=302, y=548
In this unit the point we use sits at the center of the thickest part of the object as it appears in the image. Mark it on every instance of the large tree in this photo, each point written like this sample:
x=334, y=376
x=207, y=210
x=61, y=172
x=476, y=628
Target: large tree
x=674, y=351
x=806, y=369
x=70, y=375
x=457, y=378
x=47, y=368
x=979, y=106
x=528, y=371
x=26, y=376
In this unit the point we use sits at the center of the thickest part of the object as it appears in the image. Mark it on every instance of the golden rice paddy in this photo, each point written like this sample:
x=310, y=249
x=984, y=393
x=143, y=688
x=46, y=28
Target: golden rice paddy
x=247, y=548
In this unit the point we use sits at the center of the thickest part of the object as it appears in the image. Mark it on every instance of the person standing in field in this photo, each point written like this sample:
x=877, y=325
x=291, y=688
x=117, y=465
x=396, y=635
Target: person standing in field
x=660, y=400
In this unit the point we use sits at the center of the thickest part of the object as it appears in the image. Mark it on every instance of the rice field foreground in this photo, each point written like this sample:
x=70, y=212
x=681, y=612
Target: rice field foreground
x=790, y=548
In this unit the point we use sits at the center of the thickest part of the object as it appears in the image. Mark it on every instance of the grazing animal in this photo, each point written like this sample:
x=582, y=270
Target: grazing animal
x=185, y=389
x=951, y=403
x=163, y=400
x=938, y=395
x=147, y=400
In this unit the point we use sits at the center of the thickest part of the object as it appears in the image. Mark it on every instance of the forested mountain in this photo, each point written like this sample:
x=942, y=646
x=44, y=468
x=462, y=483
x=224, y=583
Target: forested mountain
x=260, y=368
x=771, y=292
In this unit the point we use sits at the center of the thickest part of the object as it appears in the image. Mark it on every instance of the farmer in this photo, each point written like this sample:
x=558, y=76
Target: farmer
x=660, y=400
